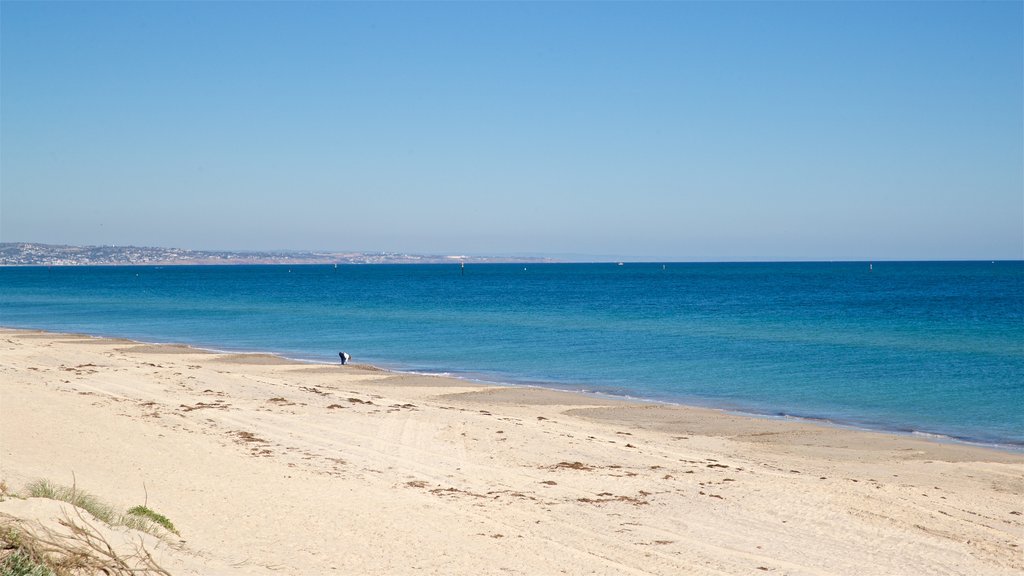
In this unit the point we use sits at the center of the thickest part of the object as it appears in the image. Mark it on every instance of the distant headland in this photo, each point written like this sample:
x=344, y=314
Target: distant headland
x=32, y=254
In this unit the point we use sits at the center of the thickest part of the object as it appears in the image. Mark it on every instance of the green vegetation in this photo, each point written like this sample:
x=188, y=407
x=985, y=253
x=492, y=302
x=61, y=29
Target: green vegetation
x=143, y=512
x=20, y=563
x=76, y=550
x=75, y=497
x=76, y=547
x=138, y=518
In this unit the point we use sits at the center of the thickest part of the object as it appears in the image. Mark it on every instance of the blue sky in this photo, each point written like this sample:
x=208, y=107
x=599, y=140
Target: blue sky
x=683, y=131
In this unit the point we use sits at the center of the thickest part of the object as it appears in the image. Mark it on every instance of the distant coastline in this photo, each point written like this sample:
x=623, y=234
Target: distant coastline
x=34, y=254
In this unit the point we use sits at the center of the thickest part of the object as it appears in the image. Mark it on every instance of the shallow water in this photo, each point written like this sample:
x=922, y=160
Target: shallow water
x=929, y=347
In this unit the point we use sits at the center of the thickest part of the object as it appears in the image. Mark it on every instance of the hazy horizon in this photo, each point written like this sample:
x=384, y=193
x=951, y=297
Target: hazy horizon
x=566, y=258
x=641, y=131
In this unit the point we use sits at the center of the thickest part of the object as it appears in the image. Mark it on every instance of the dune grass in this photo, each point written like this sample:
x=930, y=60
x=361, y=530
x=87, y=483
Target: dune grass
x=152, y=516
x=138, y=518
x=78, y=548
x=78, y=498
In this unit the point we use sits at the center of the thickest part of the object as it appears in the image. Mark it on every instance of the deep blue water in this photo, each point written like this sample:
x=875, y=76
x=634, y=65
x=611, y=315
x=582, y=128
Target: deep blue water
x=934, y=347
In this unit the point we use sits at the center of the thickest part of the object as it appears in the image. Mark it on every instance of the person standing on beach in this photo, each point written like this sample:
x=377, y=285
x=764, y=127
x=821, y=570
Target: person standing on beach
x=344, y=357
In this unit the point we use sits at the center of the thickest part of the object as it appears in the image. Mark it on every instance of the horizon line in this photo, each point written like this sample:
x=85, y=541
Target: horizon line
x=557, y=257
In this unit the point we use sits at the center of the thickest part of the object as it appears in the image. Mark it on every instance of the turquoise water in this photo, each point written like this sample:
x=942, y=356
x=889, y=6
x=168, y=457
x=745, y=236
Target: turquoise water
x=927, y=347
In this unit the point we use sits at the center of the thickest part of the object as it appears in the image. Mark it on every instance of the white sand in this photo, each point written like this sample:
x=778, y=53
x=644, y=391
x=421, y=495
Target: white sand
x=269, y=466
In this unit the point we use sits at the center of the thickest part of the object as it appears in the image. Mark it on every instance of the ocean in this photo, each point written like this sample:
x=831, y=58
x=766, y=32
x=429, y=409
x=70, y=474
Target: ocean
x=918, y=347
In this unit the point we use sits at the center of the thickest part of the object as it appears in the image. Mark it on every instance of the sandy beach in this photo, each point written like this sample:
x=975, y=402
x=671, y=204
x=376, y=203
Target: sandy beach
x=269, y=466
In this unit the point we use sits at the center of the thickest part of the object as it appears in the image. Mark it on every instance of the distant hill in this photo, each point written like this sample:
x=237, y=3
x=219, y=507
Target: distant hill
x=30, y=254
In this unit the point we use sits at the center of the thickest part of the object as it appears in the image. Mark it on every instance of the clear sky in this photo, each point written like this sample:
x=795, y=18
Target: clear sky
x=682, y=131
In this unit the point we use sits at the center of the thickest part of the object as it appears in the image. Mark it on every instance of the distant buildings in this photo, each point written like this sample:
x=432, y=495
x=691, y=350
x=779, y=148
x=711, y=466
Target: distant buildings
x=29, y=254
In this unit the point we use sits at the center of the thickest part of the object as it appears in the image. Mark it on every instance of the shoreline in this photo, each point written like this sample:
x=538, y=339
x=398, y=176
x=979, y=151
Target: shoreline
x=268, y=465
x=1011, y=447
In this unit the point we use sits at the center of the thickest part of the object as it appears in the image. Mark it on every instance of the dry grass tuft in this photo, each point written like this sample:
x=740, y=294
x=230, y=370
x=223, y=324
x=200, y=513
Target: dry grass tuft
x=80, y=549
